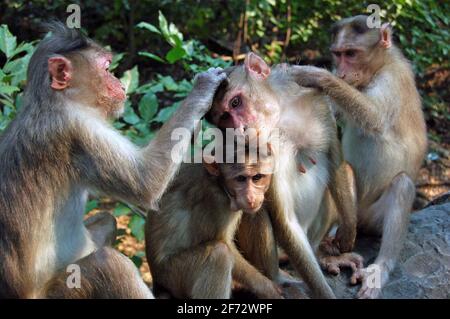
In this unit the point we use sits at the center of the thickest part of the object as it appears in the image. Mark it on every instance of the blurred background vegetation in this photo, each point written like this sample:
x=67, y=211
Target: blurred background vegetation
x=161, y=45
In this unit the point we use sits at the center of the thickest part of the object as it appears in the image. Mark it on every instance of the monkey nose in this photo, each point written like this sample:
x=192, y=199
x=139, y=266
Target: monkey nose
x=251, y=202
x=342, y=76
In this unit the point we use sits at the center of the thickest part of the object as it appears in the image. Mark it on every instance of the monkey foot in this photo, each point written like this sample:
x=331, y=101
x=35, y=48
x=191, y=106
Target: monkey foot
x=373, y=278
x=328, y=247
x=333, y=264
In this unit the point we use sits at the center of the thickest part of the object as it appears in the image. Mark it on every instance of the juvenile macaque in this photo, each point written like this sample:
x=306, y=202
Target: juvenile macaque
x=385, y=135
x=190, y=241
x=309, y=193
x=59, y=147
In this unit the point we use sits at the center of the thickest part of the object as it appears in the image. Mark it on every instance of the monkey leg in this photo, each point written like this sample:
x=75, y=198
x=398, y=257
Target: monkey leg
x=104, y=274
x=202, y=272
x=102, y=228
x=389, y=217
x=343, y=191
x=257, y=243
x=291, y=237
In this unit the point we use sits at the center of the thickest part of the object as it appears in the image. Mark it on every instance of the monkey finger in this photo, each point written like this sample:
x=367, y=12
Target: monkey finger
x=333, y=268
x=357, y=277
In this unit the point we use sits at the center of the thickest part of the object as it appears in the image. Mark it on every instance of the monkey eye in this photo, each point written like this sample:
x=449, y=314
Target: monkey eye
x=241, y=178
x=257, y=177
x=350, y=53
x=236, y=101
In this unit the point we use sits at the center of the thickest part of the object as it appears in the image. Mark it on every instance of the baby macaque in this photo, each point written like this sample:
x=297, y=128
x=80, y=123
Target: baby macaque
x=189, y=242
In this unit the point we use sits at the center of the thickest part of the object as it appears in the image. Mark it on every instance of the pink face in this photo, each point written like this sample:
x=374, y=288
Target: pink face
x=241, y=108
x=114, y=88
x=347, y=62
x=233, y=111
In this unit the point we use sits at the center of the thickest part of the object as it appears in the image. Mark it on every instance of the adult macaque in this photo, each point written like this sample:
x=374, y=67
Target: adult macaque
x=385, y=135
x=58, y=148
x=190, y=241
x=310, y=171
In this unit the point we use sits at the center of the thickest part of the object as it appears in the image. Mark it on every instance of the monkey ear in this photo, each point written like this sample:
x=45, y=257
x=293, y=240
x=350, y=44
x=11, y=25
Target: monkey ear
x=211, y=166
x=386, y=35
x=256, y=66
x=60, y=70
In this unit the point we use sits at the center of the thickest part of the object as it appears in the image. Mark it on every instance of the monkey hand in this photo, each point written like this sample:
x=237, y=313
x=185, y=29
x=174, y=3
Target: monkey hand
x=205, y=86
x=309, y=76
x=333, y=264
x=345, y=238
x=372, y=278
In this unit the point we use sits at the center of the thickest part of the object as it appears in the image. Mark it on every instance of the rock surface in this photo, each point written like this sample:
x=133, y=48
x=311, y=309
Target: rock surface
x=423, y=269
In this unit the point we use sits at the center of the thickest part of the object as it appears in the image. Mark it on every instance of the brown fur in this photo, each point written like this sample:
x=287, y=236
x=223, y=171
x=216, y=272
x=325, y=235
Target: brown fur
x=385, y=135
x=60, y=147
x=308, y=131
x=190, y=241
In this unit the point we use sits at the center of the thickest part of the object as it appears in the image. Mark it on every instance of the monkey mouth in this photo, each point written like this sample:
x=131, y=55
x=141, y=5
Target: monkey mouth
x=252, y=211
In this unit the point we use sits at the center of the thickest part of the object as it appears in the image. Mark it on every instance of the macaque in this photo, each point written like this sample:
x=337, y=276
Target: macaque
x=310, y=192
x=61, y=146
x=384, y=139
x=190, y=241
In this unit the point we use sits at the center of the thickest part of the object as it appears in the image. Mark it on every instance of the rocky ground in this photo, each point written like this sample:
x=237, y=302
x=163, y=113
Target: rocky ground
x=423, y=269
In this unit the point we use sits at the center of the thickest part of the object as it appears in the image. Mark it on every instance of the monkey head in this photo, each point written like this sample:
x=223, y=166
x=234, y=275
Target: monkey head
x=83, y=76
x=358, y=51
x=245, y=181
x=247, y=101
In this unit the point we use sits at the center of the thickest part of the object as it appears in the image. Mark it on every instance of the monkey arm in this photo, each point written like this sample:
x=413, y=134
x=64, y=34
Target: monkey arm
x=370, y=110
x=248, y=275
x=292, y=238
x=186, y=118
x=116, y=167
x=363, y=110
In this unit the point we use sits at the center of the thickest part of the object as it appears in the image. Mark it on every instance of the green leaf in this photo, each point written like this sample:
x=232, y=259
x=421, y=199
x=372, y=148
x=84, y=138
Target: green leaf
x=175, y=54
x=115, y=61
x=159, y=87
x=19, y=100
x=92, y=204
x=169, y=83
x=130, y=80
x=7, y=89
x=23, y=47
x=6, y=103
x=163, y=24
x=130, y=116
x=7, y=41
x=151, y=56
x=148, y=106
x=148, y=26
x=121, y=210
x=137, y=261
x=166, y=113
x=118, y=125
x=136, y=225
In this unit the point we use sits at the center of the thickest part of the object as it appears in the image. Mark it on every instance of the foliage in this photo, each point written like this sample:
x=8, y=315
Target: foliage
x=12, y=74
x=158, y=77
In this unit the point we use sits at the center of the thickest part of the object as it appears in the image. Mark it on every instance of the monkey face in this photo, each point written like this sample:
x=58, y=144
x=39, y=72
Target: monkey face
x=247, y=102
x=111, y=93
x=247, y=188
x=358, y=50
